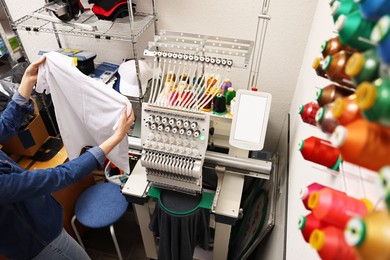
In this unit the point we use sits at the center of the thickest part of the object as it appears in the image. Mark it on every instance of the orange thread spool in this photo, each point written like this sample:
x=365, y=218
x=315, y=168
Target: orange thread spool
x=363, y=143
x=336, y=208
x=321, y=152
x=346, y=110
x=307, y=224
x=330, y=244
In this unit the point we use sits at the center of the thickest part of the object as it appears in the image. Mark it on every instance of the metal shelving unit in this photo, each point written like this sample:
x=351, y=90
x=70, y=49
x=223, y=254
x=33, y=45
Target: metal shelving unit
x=88, y=25
x=127, y=29
x=13, y=54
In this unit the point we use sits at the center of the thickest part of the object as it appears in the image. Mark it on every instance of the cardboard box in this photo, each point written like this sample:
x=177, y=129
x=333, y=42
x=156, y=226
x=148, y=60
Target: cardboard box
x=28, y=141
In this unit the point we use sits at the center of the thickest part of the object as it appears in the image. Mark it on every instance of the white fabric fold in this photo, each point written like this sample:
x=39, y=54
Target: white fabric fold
x=86, y=109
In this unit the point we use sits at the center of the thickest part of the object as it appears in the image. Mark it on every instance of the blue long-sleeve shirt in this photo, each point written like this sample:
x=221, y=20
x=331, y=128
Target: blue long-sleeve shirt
x=30, y=218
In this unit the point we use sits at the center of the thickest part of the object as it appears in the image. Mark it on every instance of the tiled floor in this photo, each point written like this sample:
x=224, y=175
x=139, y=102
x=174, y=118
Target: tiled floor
x=100, y=246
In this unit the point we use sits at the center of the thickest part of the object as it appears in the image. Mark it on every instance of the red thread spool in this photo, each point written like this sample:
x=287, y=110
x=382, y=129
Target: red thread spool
x=321, y=152
x=207, y=106
x=172, y=97
x=307, y=224
x=330, y=244
x=186, y=98
x=363, y=143
x=308, y=112
x=346, y=110
x=305, y=192
x=336, y=208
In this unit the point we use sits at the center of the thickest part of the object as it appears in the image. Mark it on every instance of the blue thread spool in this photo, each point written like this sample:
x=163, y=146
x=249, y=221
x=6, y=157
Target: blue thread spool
x=381, y=35
x=374, y=9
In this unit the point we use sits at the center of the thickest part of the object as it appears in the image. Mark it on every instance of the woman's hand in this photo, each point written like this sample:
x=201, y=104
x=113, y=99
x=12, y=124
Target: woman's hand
x=124, y=124
x=30, y=78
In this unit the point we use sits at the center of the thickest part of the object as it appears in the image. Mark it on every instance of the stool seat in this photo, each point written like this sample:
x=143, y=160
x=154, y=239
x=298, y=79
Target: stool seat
x=101, y=205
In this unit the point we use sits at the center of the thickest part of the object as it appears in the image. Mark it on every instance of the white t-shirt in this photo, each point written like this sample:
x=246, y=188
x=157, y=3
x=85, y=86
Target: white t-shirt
x=86, y=110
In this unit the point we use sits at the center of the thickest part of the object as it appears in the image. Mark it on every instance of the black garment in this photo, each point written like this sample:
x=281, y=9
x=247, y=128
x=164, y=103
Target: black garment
x=180, y=234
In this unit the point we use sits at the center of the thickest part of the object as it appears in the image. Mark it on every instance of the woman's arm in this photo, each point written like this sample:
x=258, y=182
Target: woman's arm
x=20, y=185
x=30, y=78
x=123, y=126
x=12, y=117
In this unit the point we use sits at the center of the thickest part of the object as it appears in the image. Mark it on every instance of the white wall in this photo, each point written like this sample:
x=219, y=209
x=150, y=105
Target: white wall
x=353, y=180
x=283, y=50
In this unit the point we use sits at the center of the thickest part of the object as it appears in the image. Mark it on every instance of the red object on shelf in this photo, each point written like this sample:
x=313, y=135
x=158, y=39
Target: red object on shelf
x=335, y=207
x=321, y=152
x=307, y=224
x=308, y=112
x=331, y=245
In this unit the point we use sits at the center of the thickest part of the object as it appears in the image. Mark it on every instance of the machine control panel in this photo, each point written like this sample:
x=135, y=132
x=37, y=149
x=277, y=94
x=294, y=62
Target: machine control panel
x=174, y=144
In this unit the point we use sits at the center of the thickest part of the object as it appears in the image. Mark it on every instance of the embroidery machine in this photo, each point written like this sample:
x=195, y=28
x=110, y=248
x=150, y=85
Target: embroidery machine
x=174, y=144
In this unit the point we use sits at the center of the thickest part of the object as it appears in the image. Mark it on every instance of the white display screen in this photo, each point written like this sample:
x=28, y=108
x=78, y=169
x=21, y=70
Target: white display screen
x=250, y=118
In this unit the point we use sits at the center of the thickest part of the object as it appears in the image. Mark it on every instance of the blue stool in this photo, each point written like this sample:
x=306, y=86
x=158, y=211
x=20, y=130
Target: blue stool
x=100, y=206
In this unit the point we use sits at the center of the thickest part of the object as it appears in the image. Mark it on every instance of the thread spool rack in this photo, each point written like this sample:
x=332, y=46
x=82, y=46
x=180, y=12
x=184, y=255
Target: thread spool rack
x=193, y=67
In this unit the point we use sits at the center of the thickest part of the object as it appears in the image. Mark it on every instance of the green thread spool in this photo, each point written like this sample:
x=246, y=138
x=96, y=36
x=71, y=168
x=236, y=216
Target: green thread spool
x=353, y=27
x=230, y=94
x=363, y=66
x=374, y=101
x=344, y=7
